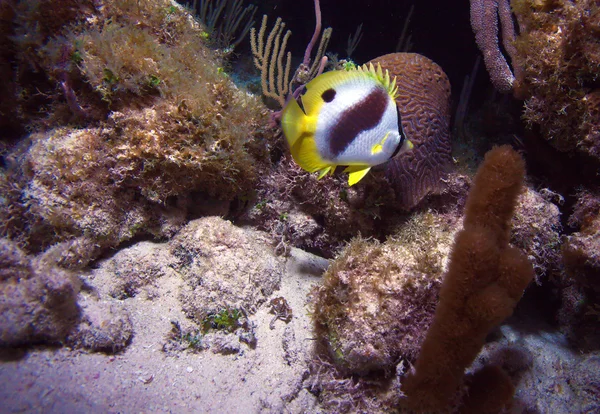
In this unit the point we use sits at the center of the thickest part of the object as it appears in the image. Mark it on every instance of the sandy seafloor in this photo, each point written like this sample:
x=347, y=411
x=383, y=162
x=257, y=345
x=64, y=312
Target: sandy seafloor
x=143, y=379
x=274, y=376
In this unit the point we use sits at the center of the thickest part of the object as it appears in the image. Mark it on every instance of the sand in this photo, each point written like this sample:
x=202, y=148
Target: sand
x=143, y=378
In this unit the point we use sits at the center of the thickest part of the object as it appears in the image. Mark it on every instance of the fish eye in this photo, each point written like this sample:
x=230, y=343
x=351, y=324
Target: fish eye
x=328, y=95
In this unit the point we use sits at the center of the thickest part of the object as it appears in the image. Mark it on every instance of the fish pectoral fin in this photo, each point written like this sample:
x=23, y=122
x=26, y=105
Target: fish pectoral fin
x=324, y=172
x=305, y=153
x=356, y=173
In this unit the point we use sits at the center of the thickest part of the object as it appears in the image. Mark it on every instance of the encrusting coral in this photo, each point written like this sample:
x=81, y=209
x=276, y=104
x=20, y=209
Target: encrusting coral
x=485, y=279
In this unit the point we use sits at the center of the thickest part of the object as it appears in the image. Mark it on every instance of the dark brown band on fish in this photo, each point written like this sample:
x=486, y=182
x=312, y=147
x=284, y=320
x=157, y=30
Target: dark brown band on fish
x=363, y=116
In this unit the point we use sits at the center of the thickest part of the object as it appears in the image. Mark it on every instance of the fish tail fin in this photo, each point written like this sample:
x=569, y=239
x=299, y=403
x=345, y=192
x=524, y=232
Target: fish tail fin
x=357, y=173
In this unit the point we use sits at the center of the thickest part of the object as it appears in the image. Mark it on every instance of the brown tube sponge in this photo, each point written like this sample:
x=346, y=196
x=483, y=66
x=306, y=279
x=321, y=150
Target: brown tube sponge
x=485, y=280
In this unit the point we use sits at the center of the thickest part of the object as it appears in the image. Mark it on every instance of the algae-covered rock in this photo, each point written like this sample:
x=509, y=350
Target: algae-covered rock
x=138, y=126
x=536, y=231
x=580, y=283
x=377, y=299
x=137, y=267
x=559, y=56
x=224, y=267
x=38, y=303
x=105, y=326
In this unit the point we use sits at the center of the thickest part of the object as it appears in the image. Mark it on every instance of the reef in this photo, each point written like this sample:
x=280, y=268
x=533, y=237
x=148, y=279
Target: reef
x=559, y=56
x=149, y=206
x=378, y=300
x=138, y=121
x=323, y=215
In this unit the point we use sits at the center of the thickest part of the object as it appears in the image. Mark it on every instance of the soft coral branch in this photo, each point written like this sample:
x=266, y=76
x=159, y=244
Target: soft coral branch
x=484, y=21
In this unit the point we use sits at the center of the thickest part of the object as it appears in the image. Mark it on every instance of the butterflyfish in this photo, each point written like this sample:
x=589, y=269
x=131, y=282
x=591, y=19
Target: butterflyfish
x=345, y=118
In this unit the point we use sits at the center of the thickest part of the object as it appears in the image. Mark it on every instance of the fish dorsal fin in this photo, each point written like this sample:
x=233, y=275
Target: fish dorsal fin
x=356, y=173
x=384, y=78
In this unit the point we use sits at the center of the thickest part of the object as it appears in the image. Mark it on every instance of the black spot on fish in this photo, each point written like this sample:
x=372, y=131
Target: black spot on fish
x=363, y=116
x=328, y=95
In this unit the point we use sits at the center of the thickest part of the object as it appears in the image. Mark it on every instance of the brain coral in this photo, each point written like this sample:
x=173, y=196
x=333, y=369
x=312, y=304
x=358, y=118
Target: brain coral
x=424, y=106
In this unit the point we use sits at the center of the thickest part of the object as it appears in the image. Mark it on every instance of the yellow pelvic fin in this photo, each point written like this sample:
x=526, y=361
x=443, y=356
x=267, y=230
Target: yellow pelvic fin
x=357, y=173
x=306, y=155
x=377, y=148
